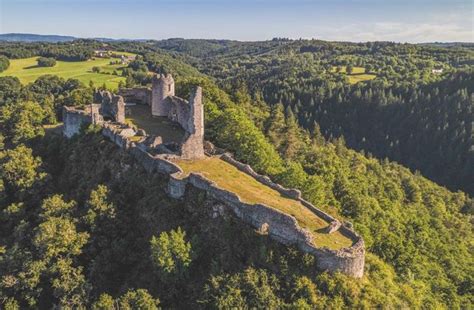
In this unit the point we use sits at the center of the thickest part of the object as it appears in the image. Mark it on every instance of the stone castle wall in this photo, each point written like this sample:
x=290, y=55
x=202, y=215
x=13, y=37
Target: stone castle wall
x=193, y=143
x=179, y=111
x=138, y=95
x=189, y=114
x=74, y=119
x=278, y=225
x=111, y=106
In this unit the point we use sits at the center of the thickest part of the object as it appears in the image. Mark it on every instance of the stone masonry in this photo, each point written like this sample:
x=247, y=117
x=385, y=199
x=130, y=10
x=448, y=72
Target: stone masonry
x=163, y=103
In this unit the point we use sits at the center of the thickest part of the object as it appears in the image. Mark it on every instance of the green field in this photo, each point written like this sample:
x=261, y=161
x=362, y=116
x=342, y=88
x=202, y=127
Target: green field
x=358, y=74
x=27, y=71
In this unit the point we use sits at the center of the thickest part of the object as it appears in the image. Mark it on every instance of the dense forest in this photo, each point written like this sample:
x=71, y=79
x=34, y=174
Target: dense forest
x=83, y=225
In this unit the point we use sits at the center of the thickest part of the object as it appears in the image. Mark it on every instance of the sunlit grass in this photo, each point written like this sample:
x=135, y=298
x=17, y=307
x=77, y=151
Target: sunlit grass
x=140, y=116
x=27, y=71
x=358, y=74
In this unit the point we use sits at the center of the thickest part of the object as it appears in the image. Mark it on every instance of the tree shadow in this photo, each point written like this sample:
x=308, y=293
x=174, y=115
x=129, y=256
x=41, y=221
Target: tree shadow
x=32, y=67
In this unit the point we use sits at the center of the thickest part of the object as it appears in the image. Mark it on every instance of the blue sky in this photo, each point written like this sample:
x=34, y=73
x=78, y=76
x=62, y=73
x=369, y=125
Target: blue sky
x=342, y=20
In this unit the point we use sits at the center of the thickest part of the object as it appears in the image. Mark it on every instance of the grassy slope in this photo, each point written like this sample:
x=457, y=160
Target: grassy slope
x=252, y=191
x=27, y=71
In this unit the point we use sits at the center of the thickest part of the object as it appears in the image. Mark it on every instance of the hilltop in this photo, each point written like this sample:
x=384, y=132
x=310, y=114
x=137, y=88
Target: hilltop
x=84, y=223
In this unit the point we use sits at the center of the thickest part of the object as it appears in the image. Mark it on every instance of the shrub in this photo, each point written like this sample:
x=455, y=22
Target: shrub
x=4, y=63
x=46, y=62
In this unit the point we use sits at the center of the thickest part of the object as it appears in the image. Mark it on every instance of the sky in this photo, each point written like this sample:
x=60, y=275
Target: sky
x=411, y=21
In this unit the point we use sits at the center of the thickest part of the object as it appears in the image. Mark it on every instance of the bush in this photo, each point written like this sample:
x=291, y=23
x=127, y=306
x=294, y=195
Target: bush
x=46, y=62
x=96, y=69
x=4, y=63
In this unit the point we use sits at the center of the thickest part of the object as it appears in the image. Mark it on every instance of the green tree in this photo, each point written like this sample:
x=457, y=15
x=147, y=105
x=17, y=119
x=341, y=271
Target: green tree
x=22, y=121
x=98, y=206
x=349, y=69
x=170, y=252
x=55, y=206
x=276, y=125
x=69, y=284
x=46, y=62
x=105, y=302
x=138, y=299
x=4, y=63
x=59, y=236
x=253, y=289
x=20, y=170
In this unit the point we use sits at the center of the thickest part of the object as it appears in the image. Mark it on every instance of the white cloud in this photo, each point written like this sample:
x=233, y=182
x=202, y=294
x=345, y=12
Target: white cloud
x=443, y=31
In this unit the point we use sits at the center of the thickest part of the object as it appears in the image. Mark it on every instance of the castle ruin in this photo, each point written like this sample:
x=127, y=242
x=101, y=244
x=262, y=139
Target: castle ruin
x=157, y=156
x=162, y=101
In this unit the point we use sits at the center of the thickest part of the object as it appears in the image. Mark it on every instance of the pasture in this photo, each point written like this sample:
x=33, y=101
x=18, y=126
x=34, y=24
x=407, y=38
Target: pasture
x=27, y=71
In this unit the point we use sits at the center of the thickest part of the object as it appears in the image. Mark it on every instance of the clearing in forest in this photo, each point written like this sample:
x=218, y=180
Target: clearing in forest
x=358, y=74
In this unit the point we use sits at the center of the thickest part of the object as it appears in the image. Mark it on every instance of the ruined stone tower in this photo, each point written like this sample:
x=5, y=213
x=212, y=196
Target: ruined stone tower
x=162, y=88
x=193, y=144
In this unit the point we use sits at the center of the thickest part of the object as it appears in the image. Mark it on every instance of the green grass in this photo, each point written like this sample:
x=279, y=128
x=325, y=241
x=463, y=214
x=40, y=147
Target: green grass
x=27, y=71
x=358, y=74
x=251, y=191
x=140, y=116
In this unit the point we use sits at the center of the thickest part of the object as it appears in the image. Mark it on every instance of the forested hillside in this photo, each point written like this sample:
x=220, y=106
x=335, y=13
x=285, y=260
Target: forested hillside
x=407, y=113
x=81, y=224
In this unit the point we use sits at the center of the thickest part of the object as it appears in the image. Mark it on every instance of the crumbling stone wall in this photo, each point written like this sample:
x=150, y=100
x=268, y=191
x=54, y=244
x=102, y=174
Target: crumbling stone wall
x=137, y=95
x=279, y=226
x=111, y=106
x=74, y=119
x=179, y=111
x=189, y=114
x=193, y=143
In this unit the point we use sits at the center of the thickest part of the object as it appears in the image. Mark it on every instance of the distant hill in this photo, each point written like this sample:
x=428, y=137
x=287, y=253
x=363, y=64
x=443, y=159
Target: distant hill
x=28, y=37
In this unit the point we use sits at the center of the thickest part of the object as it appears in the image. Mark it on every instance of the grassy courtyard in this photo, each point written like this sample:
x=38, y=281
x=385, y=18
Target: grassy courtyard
x=140, y=116
x=27, y=71
x=251, y=191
